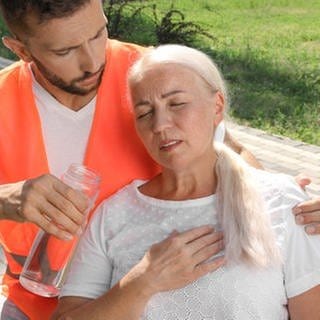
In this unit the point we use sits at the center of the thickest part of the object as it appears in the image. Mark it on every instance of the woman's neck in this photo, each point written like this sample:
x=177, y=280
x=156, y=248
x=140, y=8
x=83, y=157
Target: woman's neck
x=170, y=185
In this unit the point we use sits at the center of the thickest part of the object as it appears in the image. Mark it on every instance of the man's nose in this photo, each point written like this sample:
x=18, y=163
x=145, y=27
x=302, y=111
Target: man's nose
x=89, y=60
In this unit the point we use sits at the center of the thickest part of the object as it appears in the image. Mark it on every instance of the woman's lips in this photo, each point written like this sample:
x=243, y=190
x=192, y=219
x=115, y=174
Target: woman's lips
x=169, y=144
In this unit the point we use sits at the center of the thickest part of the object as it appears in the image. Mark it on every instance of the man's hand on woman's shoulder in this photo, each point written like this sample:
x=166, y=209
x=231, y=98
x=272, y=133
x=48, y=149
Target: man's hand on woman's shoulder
x=308, y=213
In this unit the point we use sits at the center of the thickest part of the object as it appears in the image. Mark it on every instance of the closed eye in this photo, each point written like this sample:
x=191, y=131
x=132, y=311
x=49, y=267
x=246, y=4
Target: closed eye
x=177, y=104
x=62, y=53
x=144, y=114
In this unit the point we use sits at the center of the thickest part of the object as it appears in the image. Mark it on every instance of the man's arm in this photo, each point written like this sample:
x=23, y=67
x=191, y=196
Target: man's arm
x=45, y=201
x=307, y=213
x=241, y=150
x=306, y=305
x=173, y=263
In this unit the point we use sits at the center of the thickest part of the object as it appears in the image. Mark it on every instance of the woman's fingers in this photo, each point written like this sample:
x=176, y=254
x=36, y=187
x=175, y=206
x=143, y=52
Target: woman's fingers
x=210, y=266
x=192, y=234
x=204, y=241
x=207, y=252
x=182, y=258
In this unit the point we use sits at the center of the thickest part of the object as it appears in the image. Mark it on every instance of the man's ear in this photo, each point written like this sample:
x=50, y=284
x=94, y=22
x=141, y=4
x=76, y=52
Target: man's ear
x=219, y=108
x=17, y=47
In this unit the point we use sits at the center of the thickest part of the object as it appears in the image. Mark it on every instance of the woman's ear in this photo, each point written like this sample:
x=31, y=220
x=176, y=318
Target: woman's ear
x=219, y=108
x=18, y=48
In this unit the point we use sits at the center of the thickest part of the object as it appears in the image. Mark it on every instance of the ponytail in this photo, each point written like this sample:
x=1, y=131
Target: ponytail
x=246, y=226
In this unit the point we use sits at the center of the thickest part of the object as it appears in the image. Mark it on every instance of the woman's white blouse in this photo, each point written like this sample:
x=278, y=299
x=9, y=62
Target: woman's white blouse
x=128, y=223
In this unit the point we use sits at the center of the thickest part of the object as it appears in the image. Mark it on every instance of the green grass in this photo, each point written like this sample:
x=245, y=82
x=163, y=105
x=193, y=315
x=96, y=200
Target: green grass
x=269, y=52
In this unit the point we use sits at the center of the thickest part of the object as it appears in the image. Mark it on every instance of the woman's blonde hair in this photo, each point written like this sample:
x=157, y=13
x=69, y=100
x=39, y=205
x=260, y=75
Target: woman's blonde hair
x=246, y=226
x=190, y=58
x=248, y=235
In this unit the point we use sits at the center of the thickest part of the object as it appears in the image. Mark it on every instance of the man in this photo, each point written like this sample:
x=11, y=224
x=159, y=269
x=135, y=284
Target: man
x=64, y=102
x=52, y=114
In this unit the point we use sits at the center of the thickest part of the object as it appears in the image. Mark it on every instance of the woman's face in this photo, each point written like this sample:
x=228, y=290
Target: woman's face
x=175, y=115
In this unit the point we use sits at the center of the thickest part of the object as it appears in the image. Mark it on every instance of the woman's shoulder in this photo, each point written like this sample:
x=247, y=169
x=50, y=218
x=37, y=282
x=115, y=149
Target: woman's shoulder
x=123, y=198
x=278, y=186
x=280, y=193
x=117, y=208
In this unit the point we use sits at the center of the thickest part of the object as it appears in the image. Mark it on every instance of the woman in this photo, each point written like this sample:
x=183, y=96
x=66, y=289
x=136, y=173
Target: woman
x=272, y=267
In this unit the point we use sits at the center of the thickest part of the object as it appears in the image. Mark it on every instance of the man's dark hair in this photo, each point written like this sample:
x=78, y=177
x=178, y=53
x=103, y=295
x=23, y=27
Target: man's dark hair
x=17, y=12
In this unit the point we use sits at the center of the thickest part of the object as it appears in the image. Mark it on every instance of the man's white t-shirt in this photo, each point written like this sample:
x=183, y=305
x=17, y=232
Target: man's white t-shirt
x=65, y=131
x=127, y=224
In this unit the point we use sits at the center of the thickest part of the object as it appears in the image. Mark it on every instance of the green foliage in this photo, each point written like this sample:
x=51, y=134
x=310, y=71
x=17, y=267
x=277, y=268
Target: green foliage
x=4, y=52
x=173, y=28
x=127, y=19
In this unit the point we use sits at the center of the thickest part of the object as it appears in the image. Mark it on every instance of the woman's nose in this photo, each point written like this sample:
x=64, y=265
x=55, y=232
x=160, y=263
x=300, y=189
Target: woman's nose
x=161, y=121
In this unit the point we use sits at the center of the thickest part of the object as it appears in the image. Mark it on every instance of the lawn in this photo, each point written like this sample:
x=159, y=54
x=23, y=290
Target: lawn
x=269, y=52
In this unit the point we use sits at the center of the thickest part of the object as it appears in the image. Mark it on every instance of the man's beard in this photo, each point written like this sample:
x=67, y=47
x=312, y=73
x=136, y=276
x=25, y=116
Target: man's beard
x=70, y=87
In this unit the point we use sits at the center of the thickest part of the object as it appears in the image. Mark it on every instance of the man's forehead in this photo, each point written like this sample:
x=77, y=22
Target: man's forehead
x=67, y=31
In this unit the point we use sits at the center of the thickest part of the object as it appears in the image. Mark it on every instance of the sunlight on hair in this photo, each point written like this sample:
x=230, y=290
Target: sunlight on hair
x=247, y=228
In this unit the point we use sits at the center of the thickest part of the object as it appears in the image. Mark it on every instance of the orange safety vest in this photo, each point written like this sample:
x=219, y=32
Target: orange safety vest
x=114, y=150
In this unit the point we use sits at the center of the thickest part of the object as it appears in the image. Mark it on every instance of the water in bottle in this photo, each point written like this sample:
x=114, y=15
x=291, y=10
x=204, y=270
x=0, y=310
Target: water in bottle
x=49, y=258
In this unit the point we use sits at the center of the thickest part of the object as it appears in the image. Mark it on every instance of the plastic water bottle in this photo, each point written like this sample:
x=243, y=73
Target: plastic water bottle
x=47, y=263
